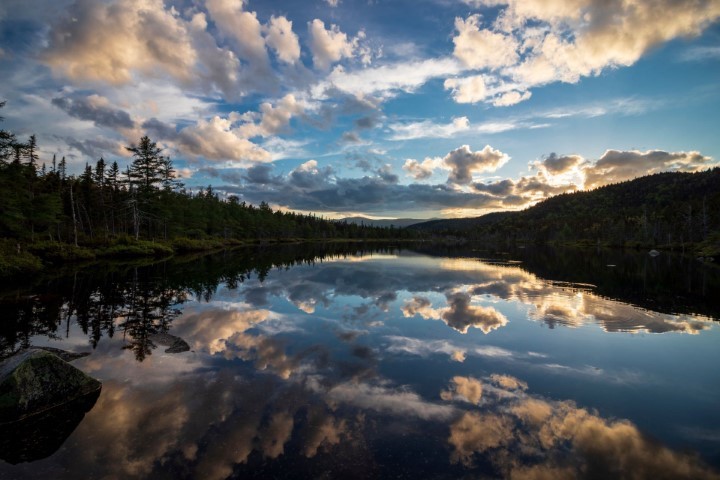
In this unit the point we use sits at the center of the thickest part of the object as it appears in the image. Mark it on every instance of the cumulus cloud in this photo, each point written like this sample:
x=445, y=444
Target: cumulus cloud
x=422, y=170
x=273, y=119
x=617, y=166
x=482, y=48
x=245, y=32
x=567, y=173
x=555, y=164
x=108, y=41
x=463, y=162
x=533, y=43
x=281, y=38
x=96, y=109
x=467, y=90
x=330, y=45
x=309, y=176
x=215, y=139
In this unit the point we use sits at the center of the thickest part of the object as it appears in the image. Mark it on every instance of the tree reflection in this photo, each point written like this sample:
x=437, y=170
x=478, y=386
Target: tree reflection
x=140, y=300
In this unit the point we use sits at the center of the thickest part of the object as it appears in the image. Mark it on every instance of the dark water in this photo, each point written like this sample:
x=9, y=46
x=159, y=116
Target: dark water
x=384, y=363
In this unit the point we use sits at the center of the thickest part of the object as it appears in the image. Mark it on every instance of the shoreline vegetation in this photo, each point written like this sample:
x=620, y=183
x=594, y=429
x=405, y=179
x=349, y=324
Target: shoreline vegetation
x=19, y=259
x=51, y=216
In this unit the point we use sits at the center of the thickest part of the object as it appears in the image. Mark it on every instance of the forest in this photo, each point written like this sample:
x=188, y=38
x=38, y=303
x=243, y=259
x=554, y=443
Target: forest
x=50, y=213
x=665, y=210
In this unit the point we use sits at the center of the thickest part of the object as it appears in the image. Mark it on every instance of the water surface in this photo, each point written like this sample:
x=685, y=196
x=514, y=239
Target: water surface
x=391, y=363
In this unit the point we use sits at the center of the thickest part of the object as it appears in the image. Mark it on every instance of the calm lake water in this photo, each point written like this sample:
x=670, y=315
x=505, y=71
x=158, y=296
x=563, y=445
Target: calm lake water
x=384, y=363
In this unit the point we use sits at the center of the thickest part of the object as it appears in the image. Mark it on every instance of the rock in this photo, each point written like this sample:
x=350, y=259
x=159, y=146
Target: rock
x=653, y=253
x=34, y=380
x=175, y=344
x=64, y=354
x=39, y=436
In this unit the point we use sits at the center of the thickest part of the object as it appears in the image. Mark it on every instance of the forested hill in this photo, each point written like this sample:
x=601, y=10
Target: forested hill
x=661, y=209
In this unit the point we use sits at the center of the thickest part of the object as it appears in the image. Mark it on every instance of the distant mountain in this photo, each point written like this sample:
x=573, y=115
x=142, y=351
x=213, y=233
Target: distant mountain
x=665, y=208
x=397, y=222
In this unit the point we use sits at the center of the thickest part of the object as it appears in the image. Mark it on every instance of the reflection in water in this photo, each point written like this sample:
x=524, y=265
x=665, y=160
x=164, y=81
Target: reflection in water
x=557, y=439
x=41, y=435
x=368, y=366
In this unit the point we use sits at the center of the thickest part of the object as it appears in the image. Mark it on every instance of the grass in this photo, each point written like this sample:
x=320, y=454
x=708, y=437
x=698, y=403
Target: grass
x=13, y=262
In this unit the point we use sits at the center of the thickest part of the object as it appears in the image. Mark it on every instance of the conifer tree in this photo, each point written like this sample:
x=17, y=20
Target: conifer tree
x=145, y=170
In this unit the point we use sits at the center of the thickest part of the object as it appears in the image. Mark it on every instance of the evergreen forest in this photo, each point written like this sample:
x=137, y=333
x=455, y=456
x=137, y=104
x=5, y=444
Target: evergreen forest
x=142, y=209
x=665, y=210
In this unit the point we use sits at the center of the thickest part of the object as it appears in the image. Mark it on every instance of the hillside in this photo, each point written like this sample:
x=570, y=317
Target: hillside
x=395, y=222
x=661, y=209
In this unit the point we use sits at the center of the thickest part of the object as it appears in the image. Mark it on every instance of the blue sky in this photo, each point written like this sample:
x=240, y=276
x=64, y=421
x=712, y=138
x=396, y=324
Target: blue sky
x=420, y=109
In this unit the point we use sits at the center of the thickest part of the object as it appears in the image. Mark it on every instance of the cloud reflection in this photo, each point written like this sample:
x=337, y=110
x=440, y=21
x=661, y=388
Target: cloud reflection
x=558, y=439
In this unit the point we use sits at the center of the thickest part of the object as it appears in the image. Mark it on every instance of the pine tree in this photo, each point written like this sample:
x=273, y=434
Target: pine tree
x=168, y=175
x=62, y=168
x=31, y=152
x=100, y=172
x=7, y=142
x=146, y=167
x=113, y=176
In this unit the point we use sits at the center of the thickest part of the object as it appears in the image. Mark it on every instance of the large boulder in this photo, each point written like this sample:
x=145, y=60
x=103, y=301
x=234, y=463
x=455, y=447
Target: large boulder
x=35, y=380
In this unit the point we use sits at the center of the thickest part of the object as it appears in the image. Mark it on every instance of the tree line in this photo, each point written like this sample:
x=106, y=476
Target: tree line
x=145, y=200
x=671, y=209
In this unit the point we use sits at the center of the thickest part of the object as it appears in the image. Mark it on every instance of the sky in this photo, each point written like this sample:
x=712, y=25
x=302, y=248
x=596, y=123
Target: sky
x=380, y=108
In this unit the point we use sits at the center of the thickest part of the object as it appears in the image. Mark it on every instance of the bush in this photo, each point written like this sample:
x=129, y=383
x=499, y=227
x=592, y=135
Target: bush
x=13, y=262
x=63, y=252
x=140, y=248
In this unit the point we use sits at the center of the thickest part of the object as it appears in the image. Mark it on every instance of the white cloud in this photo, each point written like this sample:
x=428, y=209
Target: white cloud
x=101, y=42
x=467, y=90
x=511, y=98
x=535, y=42
x=428, y=129
x=422, y=170
x=283, y=40
x=463, y=162
x=386, y=80
x=328, y=45
x=241, y=26
x=274, y=119
x=482, y=48
x=616, y=166
x=214, y=139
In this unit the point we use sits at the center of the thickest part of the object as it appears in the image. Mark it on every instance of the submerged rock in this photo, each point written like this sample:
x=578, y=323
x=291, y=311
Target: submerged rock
x=174, y=344
x=35, y=380
x=39, y=436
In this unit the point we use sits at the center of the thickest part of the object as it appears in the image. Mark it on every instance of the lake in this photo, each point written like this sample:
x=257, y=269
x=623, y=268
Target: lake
x=378, y=362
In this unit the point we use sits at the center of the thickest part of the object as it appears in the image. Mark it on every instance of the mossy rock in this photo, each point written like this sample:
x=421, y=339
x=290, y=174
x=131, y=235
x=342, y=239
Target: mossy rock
x=34, y=380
